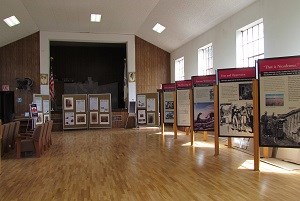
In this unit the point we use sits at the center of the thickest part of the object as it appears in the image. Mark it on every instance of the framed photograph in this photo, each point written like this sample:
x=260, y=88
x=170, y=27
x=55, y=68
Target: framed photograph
x=68, y=103
x=40, y=118
x=104, y=105
x=93, y=103
x=80, y=119
x=150, y=118
x=104, y=118
x=141, y=116
x=46, y=118
x=151, y=104
x=44, y=79
x=69, y=118
x=94, y=118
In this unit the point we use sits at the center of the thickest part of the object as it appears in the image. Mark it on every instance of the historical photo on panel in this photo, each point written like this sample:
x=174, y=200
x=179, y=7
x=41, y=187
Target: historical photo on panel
x=245, y=91
x=203, y=116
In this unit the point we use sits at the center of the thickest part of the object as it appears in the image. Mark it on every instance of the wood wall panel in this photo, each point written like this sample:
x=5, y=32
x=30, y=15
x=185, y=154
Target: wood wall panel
x=21, y=59
x=152, y=66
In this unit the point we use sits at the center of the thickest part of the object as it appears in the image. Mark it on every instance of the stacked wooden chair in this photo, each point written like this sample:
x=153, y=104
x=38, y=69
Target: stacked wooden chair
x=38, y=141
x=9, y=133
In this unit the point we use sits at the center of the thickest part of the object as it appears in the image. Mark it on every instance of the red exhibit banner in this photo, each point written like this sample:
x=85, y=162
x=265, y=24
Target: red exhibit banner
x=184, y=84
x=207, y=79
x=236, y=74
x=279, y=64
x=168, y=87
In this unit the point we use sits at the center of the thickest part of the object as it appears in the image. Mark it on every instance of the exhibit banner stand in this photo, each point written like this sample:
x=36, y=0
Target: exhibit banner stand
x=167, y=103
x=147, y=109
x=203, y=104
x=183, y=105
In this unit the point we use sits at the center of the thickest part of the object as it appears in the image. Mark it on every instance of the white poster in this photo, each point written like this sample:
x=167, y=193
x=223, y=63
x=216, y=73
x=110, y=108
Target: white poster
x=168, y=107
x=39, y=103
x=46, y=106
x=183, y=107
x=69, y=118
x=150, y=104
x=104, y=105
x=93, y=103
x=236, y=109
x=80, y=105
x=141, y=101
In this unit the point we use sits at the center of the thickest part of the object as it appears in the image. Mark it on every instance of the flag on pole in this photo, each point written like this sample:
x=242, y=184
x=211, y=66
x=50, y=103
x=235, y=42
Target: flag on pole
x=51, y=83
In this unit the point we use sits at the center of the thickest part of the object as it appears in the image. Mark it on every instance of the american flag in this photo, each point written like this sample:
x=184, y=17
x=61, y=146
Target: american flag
x=51, y=85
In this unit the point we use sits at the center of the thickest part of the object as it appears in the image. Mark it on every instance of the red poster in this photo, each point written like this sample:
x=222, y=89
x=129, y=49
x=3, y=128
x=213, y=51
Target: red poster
x=236, y=74
x=168, y=87
x=184, y=84
x=279, y=64
x=208, y=79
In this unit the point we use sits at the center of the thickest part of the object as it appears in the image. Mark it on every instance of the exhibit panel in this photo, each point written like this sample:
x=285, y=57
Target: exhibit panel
x=74, y=111
x=100, y=112
x=43, y=107
x=279, y=90
x=203, y=102
x=236, y=101
x=148, y=109
x=168, y=102
x=183, y=93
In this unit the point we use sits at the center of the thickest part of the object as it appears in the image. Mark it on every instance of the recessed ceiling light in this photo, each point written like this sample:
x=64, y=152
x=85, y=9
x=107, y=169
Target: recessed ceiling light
x=11, y=21
x=95, y=17
x=158, y=28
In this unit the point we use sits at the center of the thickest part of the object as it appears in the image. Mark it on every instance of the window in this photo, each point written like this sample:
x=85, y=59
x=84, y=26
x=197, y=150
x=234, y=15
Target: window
x=205, y=60
x=250, y=44
x=179, y=69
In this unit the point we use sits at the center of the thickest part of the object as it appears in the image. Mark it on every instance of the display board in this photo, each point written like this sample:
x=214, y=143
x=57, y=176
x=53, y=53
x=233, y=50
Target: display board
x=203, y=102
x=236, y=102
x=99, y=111
x=279, y=88
x=74, y=111
x=43, y=107
x=148, y=109
x=183, y=90
x=168, y=102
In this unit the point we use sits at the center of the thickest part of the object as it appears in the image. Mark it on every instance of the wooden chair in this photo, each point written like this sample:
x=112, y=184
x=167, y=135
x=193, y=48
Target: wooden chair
x=33, y=144
x=10, y=136
x=16, y=133
x=44, y=137
x=4, y=143
x=49, y=132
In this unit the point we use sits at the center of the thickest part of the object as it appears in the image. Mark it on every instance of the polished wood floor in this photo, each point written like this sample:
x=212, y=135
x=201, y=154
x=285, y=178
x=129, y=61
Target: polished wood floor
x=141, y=164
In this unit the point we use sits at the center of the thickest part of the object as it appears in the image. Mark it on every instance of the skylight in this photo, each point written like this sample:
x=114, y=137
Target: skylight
x=95, y=17
x=11, y=21
x=158, y=28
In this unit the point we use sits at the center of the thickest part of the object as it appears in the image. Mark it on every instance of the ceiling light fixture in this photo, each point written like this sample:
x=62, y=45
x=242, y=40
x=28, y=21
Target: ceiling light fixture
x=95, y=17
x=158, y=28
x=11, y=21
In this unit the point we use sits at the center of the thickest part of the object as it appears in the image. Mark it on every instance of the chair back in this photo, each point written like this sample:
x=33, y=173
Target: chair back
x=49, y=130
x=17, y=130
x=11, y=133
x=44, y=137
x=5, y=138
x=37, y=133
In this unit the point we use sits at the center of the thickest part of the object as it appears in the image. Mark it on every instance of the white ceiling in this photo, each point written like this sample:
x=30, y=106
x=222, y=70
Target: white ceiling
x=183, y=19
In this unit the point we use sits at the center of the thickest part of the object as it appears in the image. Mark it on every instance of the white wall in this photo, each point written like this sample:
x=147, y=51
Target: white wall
x=281, y=29
x=46, y=37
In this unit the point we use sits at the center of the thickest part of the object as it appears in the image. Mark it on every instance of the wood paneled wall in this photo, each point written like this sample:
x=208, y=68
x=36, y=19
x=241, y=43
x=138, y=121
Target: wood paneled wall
x=21, y=59
x=152, y=66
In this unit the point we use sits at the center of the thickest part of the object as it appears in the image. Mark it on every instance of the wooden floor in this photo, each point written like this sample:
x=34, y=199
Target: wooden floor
x=141, y=164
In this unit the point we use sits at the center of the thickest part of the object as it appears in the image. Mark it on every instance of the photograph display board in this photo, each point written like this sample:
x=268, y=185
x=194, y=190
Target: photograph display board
x=168, y=98
x=183, y=90
x=99, y=111
x=236, y=102
x=279, y=88
x=148, y=109
x=43, y=107
x=74, y=111
x=203, y=95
